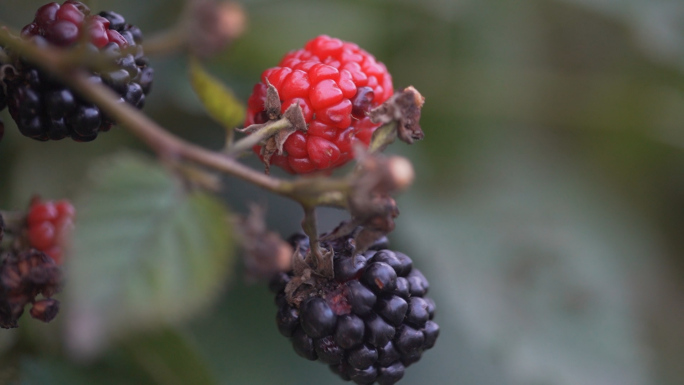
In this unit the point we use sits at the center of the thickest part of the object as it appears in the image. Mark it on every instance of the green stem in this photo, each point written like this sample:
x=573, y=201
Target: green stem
x=265, y=132
x=310, y=191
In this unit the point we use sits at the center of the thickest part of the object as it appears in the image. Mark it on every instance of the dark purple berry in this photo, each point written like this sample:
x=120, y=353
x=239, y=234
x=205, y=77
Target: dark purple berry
x=390, y=258
x=409, y=341
x=316, y=317
x=418, y=285
x=431, y=306
x=410, y=359
x=328, y=351
x=431, y=332
x=85, y=121
x=62, y=33
x=361, y=298
x=58, y=103
x=380, y=244
x=378, y=332
x=368, y=323
x=402, y=288
x=391, y=374
x=362, y=102
x=287, y=319
x=388, y=354
x=349, y=268
x=362, y=356
x=116, y=21
x=364, y=376
x=350, y=331
x=406, y=263
x=278, y=282
x=380, y=277
x=417, y=312
x=303, y=345
x=392, y=309
x=342, y=369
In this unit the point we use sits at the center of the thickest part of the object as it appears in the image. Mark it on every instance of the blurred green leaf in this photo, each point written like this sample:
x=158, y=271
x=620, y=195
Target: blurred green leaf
x=169, y=358
x=533, y=259
x=145, y=252
x=219, y=100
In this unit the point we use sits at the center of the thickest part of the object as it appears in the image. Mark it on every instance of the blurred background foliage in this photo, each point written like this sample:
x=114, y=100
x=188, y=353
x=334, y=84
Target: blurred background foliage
x=547, y=210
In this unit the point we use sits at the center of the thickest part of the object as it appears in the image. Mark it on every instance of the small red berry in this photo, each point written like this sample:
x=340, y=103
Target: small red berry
x=336, y=83
x=49, y=225
x=42, y=235
x=42, y=212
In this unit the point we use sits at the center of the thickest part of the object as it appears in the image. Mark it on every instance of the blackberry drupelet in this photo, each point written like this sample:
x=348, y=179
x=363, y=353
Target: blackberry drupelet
x=42, y=107
x=368, y=323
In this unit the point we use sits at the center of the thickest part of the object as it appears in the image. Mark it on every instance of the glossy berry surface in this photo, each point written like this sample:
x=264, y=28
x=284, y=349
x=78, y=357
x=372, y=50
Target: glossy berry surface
x=336, y=83
x=49, y=225
x=366, y=324
x=42, y=107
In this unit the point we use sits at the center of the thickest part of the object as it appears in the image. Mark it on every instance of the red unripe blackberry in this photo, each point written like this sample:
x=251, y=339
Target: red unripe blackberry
x=49, y=226
x=43, y=108
x=368, y=323
x=336, y=83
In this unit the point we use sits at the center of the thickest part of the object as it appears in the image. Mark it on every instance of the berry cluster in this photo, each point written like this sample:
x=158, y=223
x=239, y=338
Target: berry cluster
x=43, y=108
x=368, y=323
x=336, y=83
x=24, y=276
x=49, y=225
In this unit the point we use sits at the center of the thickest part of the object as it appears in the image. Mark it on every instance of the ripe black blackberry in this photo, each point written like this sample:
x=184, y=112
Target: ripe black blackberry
x=368, y=323
x=42, y=107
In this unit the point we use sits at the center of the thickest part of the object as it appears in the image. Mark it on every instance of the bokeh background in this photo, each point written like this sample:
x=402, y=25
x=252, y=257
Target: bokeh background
x=547, y=211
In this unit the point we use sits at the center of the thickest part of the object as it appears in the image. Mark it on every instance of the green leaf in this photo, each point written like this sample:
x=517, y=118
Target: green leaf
x=219, y=100
x=169, y=358
x=145, y=253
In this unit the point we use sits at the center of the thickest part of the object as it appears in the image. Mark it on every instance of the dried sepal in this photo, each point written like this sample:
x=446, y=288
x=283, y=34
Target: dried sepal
x=213, y=25
x=370, y=202
x=403, y=107
x=265, y=252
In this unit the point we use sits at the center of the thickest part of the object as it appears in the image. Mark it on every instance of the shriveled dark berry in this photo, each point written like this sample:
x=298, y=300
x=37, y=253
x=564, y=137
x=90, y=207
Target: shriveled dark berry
x=392, y=309
x=391, y=374
x=350, y=331
x=287, y=319
x=362, y=356
x=303, y=345
x=417, y=312
x=388, y=354
x=316, y=317
x=328, y=351
x=364, y=376
x=430, y=332
x=409, y=341
x=378, y=331
x=380, y=277
x=361, y=298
